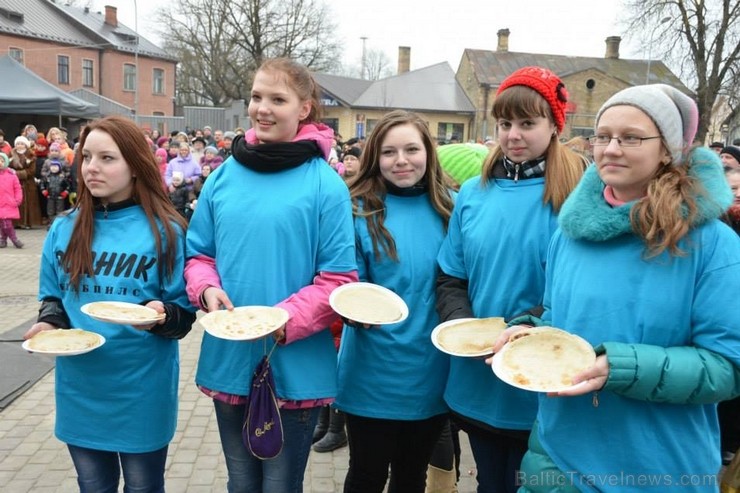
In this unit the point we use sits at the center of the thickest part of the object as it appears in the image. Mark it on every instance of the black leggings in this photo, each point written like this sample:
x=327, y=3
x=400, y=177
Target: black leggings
x=405, y=446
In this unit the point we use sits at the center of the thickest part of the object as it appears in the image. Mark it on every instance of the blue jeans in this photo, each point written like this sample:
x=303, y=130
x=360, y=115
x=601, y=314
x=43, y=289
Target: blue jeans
x=284, y=473
x=98, y=471
x=498, y=458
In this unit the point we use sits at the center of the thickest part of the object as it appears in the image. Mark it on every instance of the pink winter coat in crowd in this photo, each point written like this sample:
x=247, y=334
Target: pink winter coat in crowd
x=11, y=194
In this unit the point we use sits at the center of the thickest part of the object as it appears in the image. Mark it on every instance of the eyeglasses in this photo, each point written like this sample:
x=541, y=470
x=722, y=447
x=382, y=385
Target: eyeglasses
x=626, y=141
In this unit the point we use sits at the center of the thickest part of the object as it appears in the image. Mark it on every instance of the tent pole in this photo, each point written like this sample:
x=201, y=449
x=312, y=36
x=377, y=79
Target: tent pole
x=60, y=120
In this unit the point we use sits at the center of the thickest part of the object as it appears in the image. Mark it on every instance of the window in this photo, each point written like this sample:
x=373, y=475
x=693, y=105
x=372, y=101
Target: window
x=447, y=132
x=87, y=73
x=158, y=81
x=63, y=69
x=16, y=54
x=129, y=77
x=332, y=123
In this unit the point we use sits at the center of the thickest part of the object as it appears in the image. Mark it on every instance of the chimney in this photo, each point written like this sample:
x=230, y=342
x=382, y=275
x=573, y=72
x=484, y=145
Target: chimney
x=612, y=47
x=404, y=59
x=503, y=40
x=111, y=15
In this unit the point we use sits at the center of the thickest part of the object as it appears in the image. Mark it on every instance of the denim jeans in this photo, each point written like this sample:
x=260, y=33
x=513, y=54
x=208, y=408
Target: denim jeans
x=284, y=473
x=98, y=471
x=498, y=458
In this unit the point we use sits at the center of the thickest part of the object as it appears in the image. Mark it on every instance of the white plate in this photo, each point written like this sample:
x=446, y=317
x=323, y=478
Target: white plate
x=439, y=328
x=121, y=312
x=506, y=375
x=75, y=352
x=383, y=295
x=244, y=323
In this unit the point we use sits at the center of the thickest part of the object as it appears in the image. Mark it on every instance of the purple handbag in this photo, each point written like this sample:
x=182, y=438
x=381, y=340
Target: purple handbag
x=262, y=432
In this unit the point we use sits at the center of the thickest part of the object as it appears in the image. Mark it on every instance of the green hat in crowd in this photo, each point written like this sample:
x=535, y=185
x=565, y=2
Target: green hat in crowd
x=462, y=161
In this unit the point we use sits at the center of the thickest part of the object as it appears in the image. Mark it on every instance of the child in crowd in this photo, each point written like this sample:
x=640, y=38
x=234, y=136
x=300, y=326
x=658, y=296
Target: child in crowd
x=11, y=196
x=55, y=188
x=180, y=195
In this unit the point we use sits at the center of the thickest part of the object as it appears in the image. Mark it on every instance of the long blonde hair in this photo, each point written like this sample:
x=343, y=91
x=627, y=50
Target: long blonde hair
x=665, y=214
x=564, y=167
x=368, y=186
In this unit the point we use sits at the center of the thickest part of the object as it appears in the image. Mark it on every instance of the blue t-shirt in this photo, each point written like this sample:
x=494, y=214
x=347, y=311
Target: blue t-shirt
x=608, y=292
x=271, y=234
x=497, y=240
x=122, y=396
x=394, y=371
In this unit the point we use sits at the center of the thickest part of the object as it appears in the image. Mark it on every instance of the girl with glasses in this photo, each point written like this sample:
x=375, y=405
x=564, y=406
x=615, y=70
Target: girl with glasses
x=642, y=268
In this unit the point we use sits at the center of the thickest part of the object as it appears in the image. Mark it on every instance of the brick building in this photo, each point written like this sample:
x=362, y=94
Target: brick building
x=590, y=81
x=89, y=54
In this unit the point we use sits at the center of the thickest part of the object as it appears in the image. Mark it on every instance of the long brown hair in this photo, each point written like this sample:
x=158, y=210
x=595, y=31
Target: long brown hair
x=564, y=167
x=147, y=192
x=369, y=188
x=665, y=214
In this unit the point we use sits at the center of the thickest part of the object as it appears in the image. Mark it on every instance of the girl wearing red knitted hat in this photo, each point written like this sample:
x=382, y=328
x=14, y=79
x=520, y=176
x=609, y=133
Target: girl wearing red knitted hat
x=492, y=263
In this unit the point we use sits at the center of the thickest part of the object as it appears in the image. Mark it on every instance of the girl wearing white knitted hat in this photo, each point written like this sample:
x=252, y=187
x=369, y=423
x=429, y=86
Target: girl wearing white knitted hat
x=643, y=269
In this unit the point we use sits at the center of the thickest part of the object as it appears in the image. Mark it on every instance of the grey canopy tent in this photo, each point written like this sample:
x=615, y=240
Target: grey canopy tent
x=23, y=92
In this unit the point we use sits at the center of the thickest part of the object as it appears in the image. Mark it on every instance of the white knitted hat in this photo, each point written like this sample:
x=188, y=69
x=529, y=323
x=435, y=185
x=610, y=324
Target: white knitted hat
x=674, y=113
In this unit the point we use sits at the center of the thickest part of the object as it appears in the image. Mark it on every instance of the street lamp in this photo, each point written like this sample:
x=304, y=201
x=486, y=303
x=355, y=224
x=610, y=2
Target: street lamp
x=650, y=46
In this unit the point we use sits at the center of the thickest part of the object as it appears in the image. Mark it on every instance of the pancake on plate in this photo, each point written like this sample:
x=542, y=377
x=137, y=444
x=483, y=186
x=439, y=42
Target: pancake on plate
x=63, y=340
x=367, y=303
x=245, y=322
x=119, y=310
x=544, y=359
x=471, y=337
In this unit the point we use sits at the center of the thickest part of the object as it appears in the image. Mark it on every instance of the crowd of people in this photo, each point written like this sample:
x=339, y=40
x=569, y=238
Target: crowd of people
x=624, y=242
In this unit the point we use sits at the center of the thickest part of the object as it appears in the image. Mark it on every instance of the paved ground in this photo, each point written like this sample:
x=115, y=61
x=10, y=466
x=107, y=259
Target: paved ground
x=33, y=460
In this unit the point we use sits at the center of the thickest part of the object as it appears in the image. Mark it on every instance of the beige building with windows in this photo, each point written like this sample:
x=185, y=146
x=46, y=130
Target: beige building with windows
x=353, y=106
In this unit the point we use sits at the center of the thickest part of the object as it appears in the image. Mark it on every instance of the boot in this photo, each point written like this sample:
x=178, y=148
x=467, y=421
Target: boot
x=322, y=426
x=336, y=437
x=3, y=242
x=18, y=243
x=441, y=480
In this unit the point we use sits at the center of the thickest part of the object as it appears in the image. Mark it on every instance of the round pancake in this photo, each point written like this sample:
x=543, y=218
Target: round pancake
x=367, y=304
x=471, y=337
x=244, y=323
x=63, y=340
x=545, y=359
x=119, y=310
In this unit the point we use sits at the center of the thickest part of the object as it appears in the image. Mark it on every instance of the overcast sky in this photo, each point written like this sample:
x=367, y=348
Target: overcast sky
x=439, y=31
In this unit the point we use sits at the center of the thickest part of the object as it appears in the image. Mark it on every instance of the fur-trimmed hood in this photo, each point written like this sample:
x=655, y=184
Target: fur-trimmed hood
x=586, y=214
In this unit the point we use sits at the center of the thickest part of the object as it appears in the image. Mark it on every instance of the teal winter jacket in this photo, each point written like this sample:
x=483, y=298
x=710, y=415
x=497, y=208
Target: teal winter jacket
x=670, y=328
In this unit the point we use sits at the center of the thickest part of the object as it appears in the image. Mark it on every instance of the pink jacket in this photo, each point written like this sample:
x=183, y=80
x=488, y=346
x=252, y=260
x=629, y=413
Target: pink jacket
x=11, y=194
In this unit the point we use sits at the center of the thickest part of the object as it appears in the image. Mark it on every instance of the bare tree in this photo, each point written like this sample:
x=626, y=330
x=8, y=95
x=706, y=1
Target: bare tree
x=220, y=43
x=377, y=64
x=702, y=39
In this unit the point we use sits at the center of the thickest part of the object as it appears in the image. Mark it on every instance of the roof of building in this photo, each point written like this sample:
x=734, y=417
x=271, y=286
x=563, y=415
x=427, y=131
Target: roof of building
x=492, y=67
x=52, y=21
x=432, y=88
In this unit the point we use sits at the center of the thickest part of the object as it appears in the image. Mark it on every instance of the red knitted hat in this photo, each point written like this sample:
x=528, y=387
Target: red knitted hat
x=547, y=84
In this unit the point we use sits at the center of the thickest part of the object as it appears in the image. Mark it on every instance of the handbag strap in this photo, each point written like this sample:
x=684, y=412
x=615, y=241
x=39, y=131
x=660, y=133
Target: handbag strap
x=268, y=354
